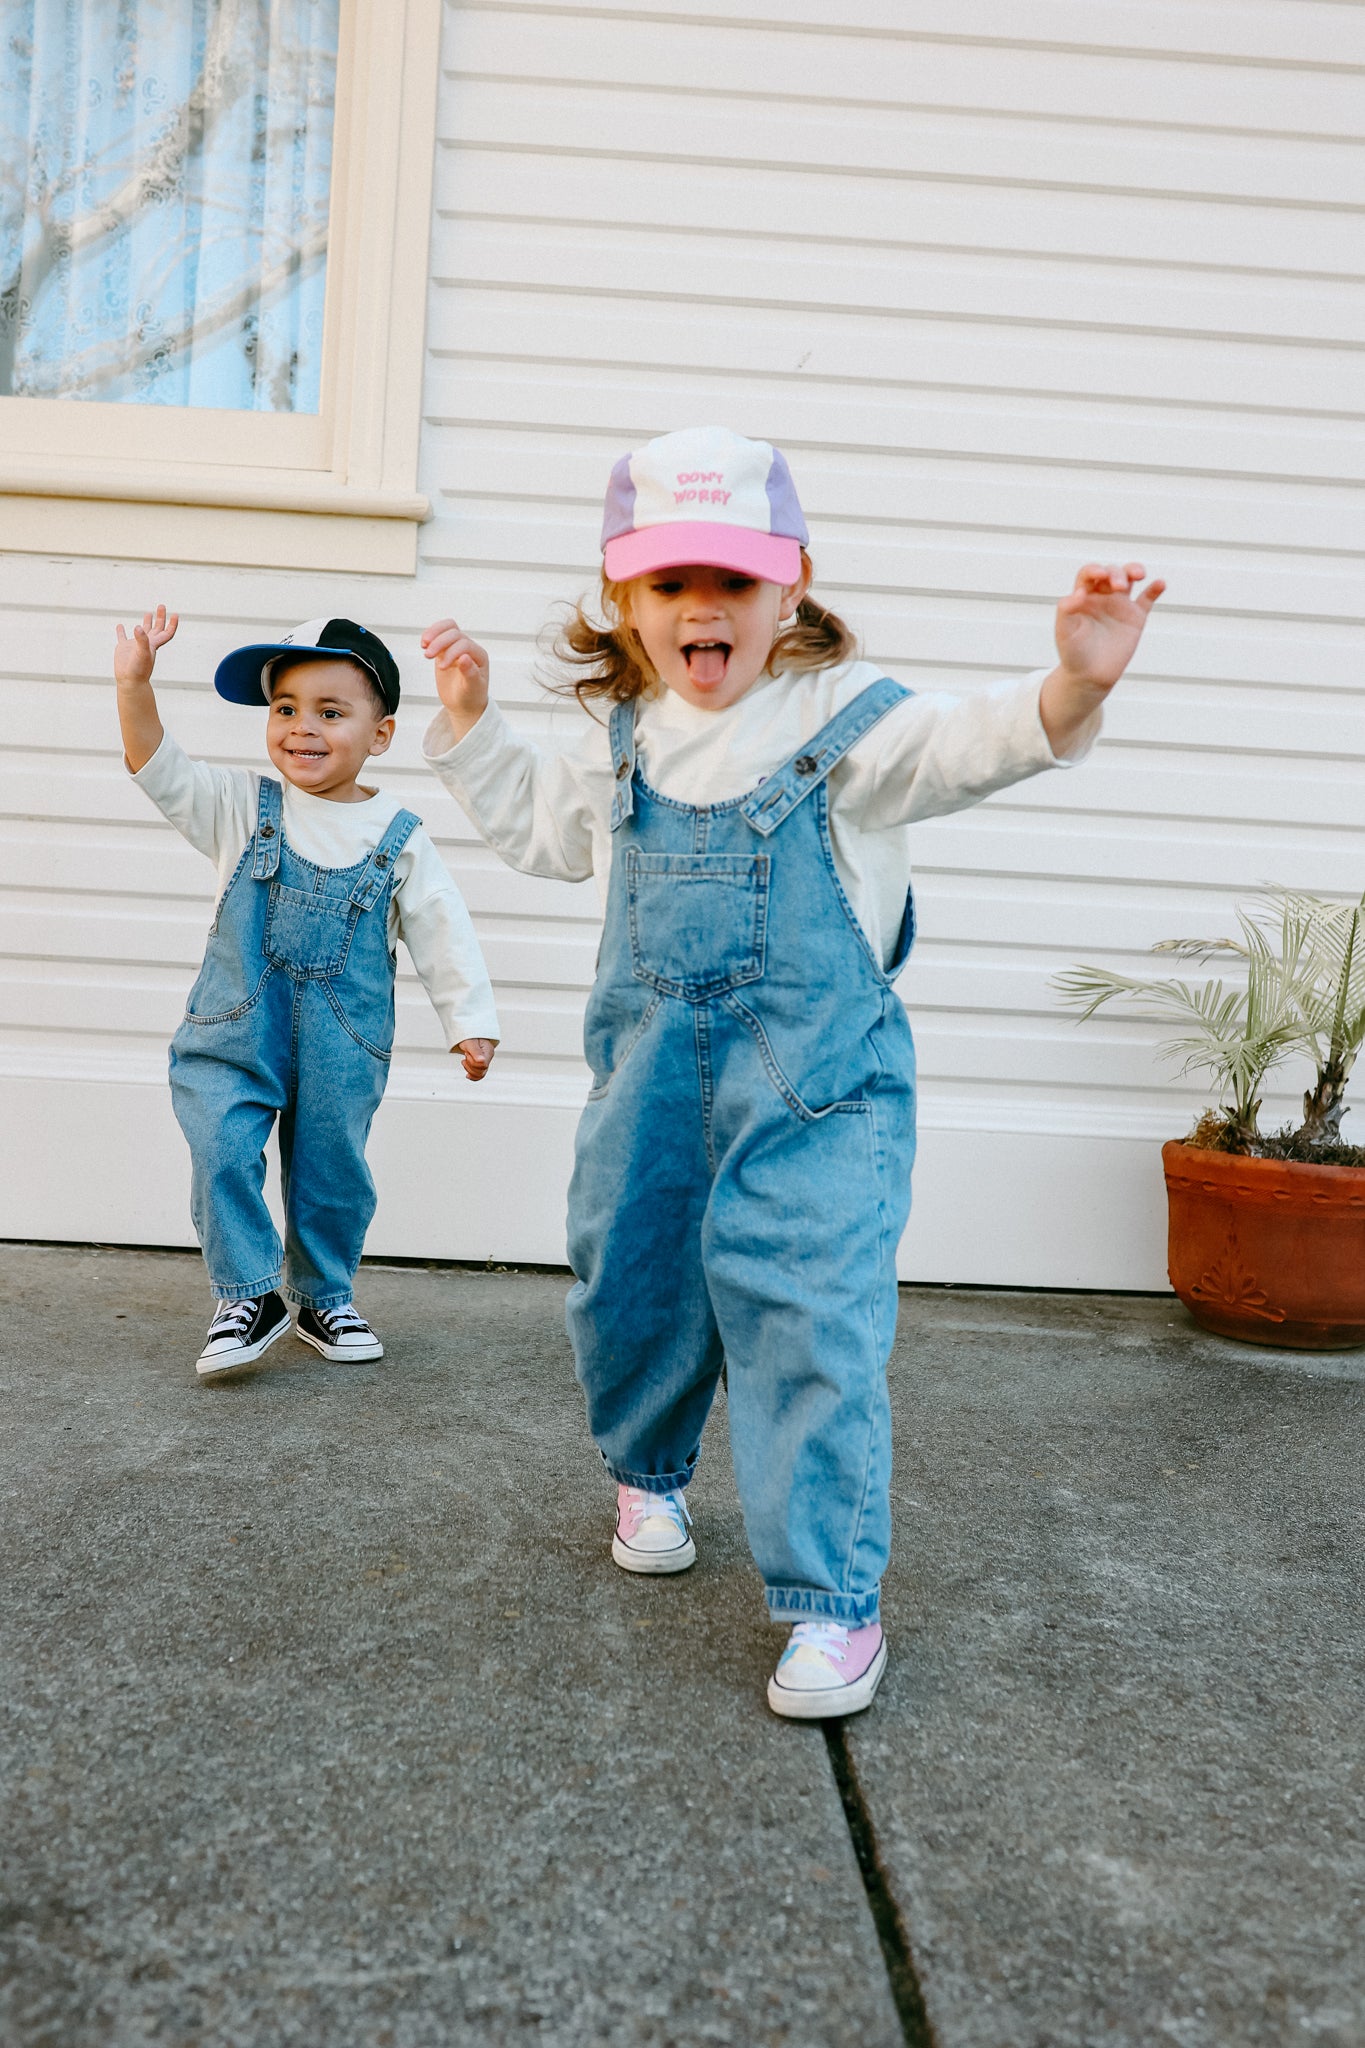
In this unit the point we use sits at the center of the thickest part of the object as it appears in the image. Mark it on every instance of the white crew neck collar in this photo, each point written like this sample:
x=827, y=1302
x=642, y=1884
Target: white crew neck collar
x=327, y=803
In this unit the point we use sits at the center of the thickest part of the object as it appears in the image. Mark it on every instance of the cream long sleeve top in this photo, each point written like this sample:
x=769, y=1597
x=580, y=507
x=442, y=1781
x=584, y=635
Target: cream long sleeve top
x=550, y=813
x=215, y=809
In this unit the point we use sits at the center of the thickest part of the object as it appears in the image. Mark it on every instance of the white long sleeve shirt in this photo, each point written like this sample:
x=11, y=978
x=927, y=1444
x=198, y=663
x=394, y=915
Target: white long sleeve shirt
x=550, y=813
x=215, y=809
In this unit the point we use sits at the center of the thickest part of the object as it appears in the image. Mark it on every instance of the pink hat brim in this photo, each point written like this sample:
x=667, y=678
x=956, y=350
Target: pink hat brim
x=772, y=557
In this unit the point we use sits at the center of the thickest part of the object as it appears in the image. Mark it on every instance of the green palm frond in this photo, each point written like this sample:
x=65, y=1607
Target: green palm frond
x=1236, y=1034
x=1332, y=992
x=1303, y=990
x=1197, y=949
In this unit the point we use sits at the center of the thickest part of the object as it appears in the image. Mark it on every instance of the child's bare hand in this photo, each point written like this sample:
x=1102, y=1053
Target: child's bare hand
x=478, y=1055
x=461, y=671
x=1100, y=623
x=135, y=653
x=1098, y=629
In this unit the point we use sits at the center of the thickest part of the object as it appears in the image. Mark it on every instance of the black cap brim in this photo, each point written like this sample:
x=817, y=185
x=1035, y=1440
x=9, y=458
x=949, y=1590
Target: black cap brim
x=238, y=675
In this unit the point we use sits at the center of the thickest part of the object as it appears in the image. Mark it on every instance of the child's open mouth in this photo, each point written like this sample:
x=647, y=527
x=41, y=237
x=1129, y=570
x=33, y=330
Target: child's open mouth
x=307, y=754
x=706, y=661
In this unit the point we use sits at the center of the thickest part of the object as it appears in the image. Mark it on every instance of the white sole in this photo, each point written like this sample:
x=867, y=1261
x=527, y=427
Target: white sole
x=830, y=1702
x=215, y=1369
x=653, y=1563
x=337, y=1353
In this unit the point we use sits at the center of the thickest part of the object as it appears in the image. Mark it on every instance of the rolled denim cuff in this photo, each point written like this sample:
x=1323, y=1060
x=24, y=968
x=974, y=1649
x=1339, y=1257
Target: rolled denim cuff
x=247, y=1290
x=651, y=1482
x=805, y=1603
x=335, y=1299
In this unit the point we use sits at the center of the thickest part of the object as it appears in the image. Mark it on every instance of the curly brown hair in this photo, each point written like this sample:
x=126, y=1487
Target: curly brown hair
x=608, y=659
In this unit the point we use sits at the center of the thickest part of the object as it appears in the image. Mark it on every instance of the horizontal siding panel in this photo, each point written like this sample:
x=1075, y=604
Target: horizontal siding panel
x=466, y=385
x=901, y=142
x=999, y=839
x=642, y=190
x=1087, y=294
x=828, y=345
x=1291, y=34
x=891, y=69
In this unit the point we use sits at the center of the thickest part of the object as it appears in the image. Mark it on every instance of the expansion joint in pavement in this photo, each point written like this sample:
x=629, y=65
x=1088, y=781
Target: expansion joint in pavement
x=887, y=1917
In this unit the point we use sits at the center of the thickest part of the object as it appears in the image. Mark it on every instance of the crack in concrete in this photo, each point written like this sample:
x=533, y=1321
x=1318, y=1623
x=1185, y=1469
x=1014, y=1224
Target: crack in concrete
x=887, y=1918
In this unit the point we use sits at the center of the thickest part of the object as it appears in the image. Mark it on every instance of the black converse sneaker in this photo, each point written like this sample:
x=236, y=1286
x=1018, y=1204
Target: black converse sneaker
x=240, y=1332
x=341, y=1333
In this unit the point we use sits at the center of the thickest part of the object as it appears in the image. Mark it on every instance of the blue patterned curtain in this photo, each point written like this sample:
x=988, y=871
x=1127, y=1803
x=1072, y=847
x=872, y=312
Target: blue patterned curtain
x=164, y=177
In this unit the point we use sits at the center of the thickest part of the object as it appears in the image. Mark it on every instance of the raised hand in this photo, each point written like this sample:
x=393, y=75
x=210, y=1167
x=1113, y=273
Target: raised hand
x=461, y=672
x=134, y=659
x=1098, y=629
x=1100, y=623
x=135, y=653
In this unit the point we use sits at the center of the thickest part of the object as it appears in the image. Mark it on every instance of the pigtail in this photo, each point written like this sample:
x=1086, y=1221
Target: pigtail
x=606, y=653
x=816, y=638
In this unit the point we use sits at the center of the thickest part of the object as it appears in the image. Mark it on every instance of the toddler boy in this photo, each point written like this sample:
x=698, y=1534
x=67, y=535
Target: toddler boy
x=292, y=1016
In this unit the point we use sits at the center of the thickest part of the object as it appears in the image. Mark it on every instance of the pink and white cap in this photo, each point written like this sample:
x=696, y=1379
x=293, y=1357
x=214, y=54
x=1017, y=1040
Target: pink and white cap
x=704, y=495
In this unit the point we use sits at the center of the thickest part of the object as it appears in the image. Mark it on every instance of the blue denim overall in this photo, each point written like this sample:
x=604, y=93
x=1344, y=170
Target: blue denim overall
x=742, y=1169
x=291, y=1017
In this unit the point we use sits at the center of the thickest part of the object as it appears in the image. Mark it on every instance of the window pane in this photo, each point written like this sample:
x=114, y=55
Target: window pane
x=164, y=175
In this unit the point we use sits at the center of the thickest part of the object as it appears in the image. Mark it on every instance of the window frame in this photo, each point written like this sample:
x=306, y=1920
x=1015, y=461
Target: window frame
x=335, y=489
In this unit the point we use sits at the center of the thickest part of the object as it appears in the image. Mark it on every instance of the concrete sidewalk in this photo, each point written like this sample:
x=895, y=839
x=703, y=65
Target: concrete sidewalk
x=330, y=1723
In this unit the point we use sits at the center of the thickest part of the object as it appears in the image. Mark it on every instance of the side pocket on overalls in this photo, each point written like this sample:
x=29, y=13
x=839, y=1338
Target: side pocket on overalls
x=621, y=1052
x=380, y=1052
x=809, y=1113
x=213, y=986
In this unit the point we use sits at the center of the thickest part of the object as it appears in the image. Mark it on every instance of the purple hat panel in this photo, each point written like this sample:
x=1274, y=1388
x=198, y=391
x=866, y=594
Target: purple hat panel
x=618, y=514
x=786, y=514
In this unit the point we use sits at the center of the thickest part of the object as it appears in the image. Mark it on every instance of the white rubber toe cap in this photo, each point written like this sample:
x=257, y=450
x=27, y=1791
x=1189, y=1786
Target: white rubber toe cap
x=807, y=1686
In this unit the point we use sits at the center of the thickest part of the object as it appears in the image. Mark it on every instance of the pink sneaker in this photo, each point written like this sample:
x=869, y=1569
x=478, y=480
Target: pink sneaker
x=651, y=1531
x=827, y=1671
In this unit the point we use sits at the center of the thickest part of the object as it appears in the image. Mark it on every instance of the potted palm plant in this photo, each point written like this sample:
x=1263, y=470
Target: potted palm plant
x=1267, y=1232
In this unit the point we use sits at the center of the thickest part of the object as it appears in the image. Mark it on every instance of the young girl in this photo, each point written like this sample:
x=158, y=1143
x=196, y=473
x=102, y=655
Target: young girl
x=742, y=1174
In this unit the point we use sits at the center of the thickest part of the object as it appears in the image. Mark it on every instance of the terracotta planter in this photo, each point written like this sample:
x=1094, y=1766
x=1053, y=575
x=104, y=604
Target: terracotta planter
x=1268, y=1251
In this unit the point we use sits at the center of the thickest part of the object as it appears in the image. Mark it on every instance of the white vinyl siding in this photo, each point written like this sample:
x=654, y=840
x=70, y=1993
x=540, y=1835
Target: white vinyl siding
x=1014, y=289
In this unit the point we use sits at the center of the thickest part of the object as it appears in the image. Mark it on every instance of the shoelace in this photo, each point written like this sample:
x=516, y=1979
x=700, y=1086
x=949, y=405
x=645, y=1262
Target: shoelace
x=672, y=1505
x=233, y=1318
x=830, y=1638
x=341, y=1319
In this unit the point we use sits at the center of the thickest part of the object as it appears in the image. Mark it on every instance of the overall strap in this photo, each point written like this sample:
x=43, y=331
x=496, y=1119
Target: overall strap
x=269, y=832
x=622, y=732
x=778, y=795
x=376, y=870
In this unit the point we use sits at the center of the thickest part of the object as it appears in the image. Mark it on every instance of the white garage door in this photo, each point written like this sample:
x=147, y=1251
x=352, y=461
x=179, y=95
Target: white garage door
x=1013, y=288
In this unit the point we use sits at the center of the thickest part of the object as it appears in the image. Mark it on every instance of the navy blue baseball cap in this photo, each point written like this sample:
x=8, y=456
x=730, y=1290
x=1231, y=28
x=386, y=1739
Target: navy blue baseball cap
x=241, y=676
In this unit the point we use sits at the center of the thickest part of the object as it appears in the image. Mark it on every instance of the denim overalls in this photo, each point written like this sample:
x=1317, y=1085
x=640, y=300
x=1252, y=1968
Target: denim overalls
x=291, y=1017
x=742, y=1169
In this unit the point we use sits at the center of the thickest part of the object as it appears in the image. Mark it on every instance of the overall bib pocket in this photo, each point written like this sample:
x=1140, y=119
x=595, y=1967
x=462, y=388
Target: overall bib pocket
x=308, y=932
x=698, y=921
